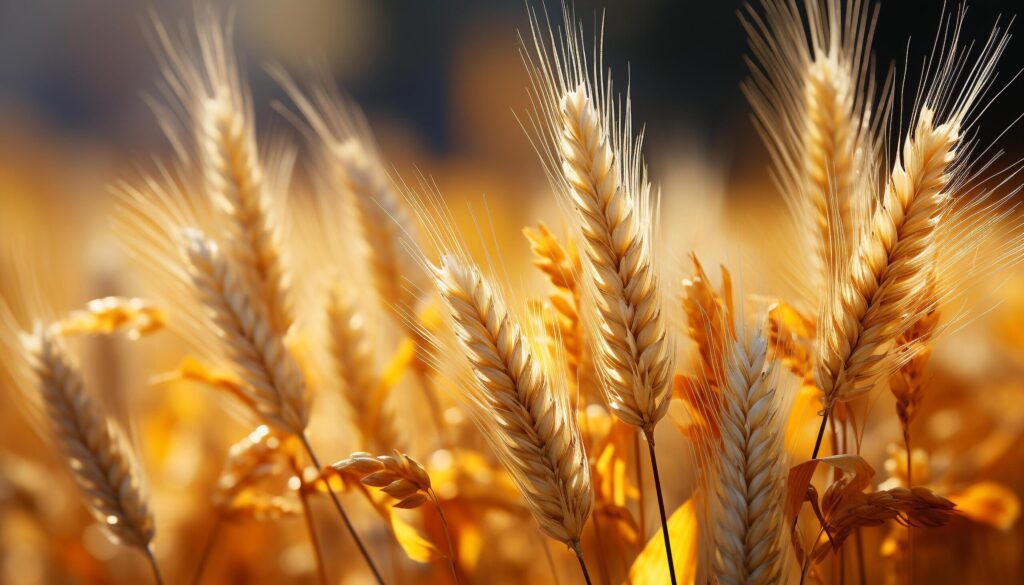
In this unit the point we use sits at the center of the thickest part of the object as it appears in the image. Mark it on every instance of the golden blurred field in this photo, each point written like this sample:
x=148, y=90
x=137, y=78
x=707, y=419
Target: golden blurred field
x=176, y=397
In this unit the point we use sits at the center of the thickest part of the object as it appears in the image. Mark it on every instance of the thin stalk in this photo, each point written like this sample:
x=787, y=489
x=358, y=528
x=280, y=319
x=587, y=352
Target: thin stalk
x=204, y=557
x=314, y=540
x=341, y=512
x=156, y=569
x=640, y=488
x=447, y=535
x=649, y=435
x=583, y=564
x=821, y=434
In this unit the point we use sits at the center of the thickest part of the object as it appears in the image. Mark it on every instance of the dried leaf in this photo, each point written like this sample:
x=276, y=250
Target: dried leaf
x=858, y=477
x=651, y=566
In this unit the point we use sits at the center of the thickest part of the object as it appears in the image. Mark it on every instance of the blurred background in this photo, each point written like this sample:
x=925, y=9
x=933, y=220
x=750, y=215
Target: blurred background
x=442, y=83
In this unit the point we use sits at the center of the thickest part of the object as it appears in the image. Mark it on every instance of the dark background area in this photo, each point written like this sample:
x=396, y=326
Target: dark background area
x=77, y=68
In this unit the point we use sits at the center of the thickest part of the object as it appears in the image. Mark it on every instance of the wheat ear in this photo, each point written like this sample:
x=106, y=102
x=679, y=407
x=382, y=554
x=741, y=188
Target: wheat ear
x=812, y=94
x=890, y=265
x=916, y=507
x=272, y=378
x=561, y=265
x=402, y=478
x=206, y=95
x=353, y=361
x=752, y=470
x=100, y=459
x=530, y=427
x=634, y=351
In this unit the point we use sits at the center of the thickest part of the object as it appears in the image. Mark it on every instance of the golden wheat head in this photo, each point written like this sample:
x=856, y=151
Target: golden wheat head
x=594, y=161
x=527, y=422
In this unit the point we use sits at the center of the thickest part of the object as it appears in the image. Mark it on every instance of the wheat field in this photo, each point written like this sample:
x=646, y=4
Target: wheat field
x=293, y=351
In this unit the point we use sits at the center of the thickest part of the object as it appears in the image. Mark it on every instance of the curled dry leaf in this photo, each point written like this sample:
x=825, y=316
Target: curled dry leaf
x=858, y=478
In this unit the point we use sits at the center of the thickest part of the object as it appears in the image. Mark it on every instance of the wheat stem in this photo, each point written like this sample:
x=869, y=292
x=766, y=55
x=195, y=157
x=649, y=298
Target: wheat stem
x=447, y=534
x=157, y=577
x=641, y=501
x=821, y=433
x=310, y=526
x=649, y=435
x=341, y=511
x=579, y=557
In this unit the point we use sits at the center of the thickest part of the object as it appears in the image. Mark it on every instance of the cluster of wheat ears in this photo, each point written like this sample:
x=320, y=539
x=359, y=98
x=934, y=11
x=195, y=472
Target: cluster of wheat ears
x=897, y=205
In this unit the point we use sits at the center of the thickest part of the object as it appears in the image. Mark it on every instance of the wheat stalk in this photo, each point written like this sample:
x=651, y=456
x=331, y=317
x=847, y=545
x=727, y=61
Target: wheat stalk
x=353, y=360
x=594, y=162
x=273, y=380
x=98, y=455
x=751, y=470
x=529, y=426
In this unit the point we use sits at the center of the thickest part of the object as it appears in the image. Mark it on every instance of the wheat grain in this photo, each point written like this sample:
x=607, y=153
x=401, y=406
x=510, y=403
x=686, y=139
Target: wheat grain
x=273, y=380
x=97, y=453
x=111, y=314
x=751, y=470
x=527, y=423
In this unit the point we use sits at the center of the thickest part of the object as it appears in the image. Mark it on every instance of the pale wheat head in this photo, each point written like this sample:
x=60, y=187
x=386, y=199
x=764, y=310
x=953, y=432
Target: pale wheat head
x=876, y=298
x=209, y=118
x=348, y=158
x=814, y=101
x=751, y=470
x=99, y=457
x=526, y=420
x=594, y=162
x=273, y=380
x=354, y=362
